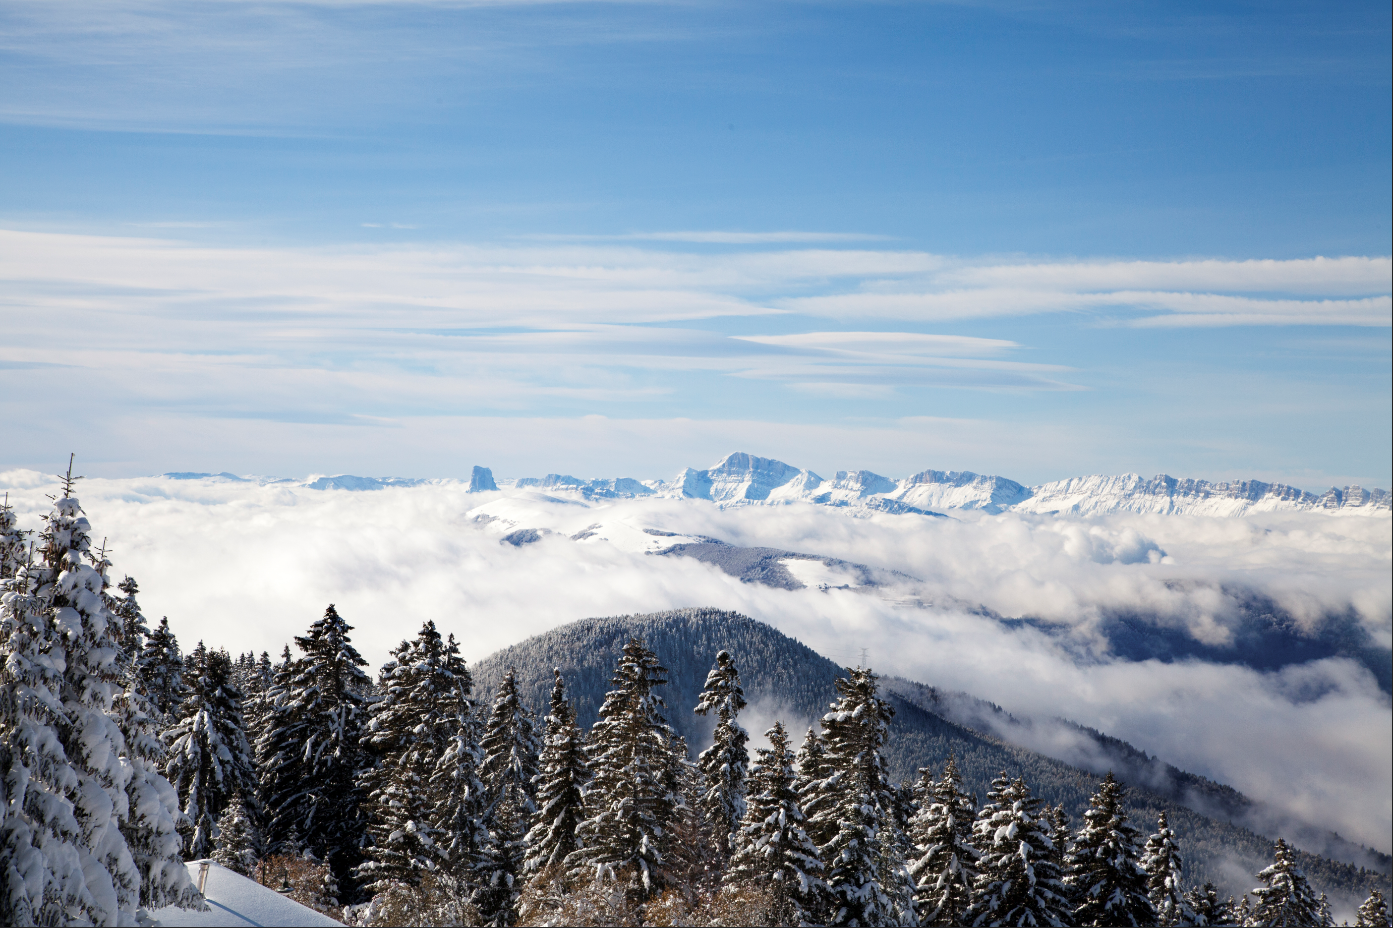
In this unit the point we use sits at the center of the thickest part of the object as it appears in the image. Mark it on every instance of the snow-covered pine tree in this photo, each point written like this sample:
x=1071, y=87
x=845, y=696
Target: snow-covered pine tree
x=1285, y=898
x=256, y=696
x=1207, y=907
x=772, y=852
x=812, y=772
x=945, y=866
x=311, y=747
x=134, y=630
x=151, y=823
x=41, y=878
x=1018, y=881
x=1106, y=879
x=14, y=542
x=73, y=589
x=459, y=805
x=237, y=838
x=152, y=827
x=160, y=670
x=560, y=788
x=509, y=773
x=1327, y=918
x=1373, y=913
x=631, y=804
x=209, y=759
x=725, y=764
x=1059, y=853
x=1164, y=872
x=866, y=873
x=424, y=695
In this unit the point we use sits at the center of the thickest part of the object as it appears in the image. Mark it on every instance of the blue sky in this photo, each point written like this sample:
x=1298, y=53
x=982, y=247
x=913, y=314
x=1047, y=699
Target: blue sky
x=407, y=237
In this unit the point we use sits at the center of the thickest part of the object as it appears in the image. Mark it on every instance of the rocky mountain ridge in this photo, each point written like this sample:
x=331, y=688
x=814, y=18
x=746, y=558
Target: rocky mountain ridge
x=743, y=479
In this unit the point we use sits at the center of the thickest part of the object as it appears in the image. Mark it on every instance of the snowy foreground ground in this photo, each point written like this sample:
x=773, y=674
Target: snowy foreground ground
x=235, y=900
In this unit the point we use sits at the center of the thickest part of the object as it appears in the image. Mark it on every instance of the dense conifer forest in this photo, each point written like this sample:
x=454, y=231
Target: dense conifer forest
x=600, y=774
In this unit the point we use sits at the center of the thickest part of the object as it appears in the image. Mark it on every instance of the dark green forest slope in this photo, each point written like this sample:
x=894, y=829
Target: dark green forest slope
x=787, y=680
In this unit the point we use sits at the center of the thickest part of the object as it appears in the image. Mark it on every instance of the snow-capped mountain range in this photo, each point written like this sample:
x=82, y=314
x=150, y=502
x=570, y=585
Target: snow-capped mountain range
x=744, y=480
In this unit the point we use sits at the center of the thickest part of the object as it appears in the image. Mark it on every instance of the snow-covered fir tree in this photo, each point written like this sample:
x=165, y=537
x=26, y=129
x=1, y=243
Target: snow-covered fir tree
x=1062, y=839
x=424, y=700
x=560, y=789
x=1373, y=913
x=237, y=838
x=151, y=823
x=134, y=630
x=310, y=750
x=632, y=802
x=1165, y=872
x=1207, y=907
x=724, y=765
x=867, y=877
x=72, y=588
x=812, y=771
x=772, y=852
x=1285, y=898
x=1018, y=879
x=1105, y=877
x=41, y=874
x=160, y=670
x=73, y=592
x=209, y=759
x=509, y=772
x=945, y=865
x=459, y=811
x=14, y=542
x=151, y=828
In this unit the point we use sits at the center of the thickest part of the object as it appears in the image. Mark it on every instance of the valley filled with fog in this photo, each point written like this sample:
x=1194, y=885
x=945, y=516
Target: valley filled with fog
x=1243, y=649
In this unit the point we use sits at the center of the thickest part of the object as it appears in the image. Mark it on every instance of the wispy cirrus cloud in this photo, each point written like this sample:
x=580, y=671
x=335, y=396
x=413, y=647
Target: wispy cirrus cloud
x=375, y=333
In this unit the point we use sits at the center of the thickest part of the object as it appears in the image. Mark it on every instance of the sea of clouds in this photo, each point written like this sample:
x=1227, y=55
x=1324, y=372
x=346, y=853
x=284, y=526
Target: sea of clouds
x=246, y=566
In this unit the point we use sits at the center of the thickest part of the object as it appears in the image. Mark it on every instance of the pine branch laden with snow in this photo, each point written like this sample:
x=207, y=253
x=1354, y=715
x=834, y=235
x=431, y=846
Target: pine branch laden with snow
x=424, y=694
x=724, y=765
x=1165, y=872
x=209, y=759
x=564, y=773
x=634, y=799
x=945, y=866
x=1105, y=876
x=855, y=808
x=310, y=752
x=1018, y=879
x=1285, y=898
x=772, y=851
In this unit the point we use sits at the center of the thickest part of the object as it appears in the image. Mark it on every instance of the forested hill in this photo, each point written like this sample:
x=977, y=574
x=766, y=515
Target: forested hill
x=784, y=679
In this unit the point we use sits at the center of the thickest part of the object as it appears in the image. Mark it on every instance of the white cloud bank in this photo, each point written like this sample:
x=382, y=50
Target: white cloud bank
x=247, y=567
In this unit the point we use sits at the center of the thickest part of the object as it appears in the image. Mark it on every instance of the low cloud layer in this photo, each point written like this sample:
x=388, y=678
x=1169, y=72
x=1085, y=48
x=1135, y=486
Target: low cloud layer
x=246, y=566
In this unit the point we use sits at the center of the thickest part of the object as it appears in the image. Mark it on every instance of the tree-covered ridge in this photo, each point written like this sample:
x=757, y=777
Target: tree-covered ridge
x=786, y=678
